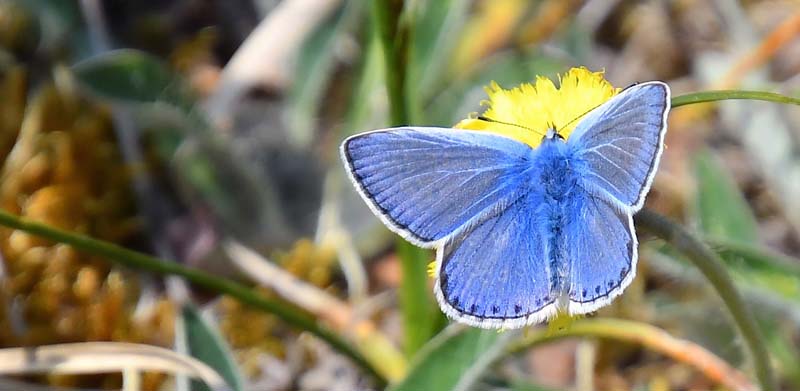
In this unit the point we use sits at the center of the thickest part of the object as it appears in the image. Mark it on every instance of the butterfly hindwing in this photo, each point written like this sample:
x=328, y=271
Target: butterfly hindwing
x=426, y=183
x=600, y=245
x=496, y=274
x=621, y=141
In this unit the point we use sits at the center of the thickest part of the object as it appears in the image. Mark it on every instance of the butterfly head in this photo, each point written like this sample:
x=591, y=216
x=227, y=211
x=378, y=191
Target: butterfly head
x=552, y=134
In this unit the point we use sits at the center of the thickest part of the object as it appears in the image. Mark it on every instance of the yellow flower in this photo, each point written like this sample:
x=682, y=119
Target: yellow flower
x=526, y=112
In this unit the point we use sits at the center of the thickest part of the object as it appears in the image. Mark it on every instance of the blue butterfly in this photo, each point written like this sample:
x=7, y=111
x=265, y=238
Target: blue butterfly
x=520, y=233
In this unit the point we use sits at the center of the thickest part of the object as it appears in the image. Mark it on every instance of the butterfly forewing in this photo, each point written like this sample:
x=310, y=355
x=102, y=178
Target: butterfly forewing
x=426, y=183
x=621, y=143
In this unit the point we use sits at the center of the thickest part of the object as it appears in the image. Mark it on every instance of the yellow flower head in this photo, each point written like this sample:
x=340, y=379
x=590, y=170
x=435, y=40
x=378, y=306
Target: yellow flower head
x=526, y=112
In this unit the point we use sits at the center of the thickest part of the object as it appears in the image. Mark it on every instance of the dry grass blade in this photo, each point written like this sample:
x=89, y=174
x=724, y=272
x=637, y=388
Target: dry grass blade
x=289, y=287
x=339, y=314
x=653, y=338
x=104, y=357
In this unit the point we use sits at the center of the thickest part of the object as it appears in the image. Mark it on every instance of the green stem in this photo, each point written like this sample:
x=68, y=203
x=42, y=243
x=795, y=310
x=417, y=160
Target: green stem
x=714, y=270
x=137, y=260
x=419, y=316
x=712, y=96
x=394, y=39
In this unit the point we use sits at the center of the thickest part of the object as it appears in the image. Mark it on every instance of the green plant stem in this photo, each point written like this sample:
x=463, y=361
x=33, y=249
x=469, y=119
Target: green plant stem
x=419, y=316
x=137, y=260
x=386, y=15
x=418, y=312
x=712, y=96
x=648, y=336
x=714, y=270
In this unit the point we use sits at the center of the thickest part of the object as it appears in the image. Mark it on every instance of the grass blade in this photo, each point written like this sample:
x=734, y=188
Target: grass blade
x=648, y=336
x=713, y=96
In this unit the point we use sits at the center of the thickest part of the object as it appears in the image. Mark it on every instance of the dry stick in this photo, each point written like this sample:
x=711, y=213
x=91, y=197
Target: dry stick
x=714, y=270
x=650, y=337
x=129, y=258
x=775, y=40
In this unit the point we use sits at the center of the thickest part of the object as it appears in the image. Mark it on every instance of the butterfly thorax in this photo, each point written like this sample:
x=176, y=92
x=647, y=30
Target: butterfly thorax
x=556, y=169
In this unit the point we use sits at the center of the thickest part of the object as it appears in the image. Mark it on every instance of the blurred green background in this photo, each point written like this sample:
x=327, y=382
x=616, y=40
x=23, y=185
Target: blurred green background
x=206, y=133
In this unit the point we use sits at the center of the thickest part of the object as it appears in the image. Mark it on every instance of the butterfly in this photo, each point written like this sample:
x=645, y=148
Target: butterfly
x=520, y=233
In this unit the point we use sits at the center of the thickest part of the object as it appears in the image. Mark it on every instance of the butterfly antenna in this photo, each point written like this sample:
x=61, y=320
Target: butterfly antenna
x=578, y=117
x=487, y=119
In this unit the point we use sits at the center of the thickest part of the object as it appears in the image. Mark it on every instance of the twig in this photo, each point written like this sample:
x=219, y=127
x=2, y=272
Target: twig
x=714, y=270
x=133, y=259
x=776, y=39
x=650, y=337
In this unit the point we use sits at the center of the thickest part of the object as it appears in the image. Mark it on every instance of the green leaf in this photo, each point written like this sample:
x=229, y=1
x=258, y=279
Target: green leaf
x=207, y=345
x=713, y=96
x=721, y=208
x=130, y=76
x=421, y=316
x=455, y=359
